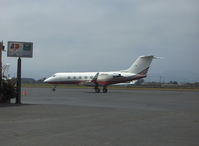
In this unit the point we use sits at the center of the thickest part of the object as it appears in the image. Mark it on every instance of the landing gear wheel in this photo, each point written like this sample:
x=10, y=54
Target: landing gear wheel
x=97, y=90
x=105, y=90
x=54, y=89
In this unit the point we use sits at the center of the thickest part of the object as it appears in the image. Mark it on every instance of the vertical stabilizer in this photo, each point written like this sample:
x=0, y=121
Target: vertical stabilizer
x=141, y=65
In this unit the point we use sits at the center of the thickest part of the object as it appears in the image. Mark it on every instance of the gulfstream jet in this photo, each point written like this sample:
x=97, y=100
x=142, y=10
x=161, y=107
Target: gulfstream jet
x=136, y=71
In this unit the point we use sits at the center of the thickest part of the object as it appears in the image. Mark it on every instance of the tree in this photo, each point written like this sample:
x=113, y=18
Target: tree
x=8, y=89
x=173, y=82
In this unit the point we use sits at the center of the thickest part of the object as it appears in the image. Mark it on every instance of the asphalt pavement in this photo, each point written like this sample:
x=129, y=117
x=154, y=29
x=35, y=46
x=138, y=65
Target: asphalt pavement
x=80, y=117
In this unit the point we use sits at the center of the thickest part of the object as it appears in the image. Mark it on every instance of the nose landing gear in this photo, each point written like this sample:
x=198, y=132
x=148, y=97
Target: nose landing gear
x=54, y=88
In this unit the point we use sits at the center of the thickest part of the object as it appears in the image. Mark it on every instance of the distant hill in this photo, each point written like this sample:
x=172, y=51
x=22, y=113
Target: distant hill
x=27, y=80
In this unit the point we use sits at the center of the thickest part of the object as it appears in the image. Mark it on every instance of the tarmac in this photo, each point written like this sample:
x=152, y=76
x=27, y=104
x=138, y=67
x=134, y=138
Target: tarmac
x=80, y=117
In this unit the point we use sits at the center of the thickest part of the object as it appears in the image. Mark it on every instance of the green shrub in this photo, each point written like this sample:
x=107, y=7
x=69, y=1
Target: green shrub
x=8, y=91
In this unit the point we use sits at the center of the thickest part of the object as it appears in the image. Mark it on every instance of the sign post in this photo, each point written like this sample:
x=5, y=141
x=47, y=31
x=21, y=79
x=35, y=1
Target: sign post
x=19, y=49
x=18, y=97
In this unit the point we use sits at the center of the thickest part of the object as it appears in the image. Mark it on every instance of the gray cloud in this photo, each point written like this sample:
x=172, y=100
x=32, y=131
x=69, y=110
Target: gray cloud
x=103, y=35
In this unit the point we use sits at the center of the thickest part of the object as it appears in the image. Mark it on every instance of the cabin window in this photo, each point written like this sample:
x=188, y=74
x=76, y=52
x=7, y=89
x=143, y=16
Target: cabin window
x=74, y=77
x=85, y=77
x=91, y=77
x=68, y=77
x=80, y=77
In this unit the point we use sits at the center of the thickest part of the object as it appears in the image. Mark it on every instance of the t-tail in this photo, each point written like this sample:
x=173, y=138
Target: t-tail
x=141, y=65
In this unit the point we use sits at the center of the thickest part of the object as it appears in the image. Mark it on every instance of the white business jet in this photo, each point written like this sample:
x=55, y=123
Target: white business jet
x=136, y=71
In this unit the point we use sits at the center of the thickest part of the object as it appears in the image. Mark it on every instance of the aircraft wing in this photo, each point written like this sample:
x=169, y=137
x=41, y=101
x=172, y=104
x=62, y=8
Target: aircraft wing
x=91, y=82
x=95, y=77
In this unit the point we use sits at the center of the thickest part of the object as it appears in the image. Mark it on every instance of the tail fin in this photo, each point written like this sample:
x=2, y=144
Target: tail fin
x=141, y=65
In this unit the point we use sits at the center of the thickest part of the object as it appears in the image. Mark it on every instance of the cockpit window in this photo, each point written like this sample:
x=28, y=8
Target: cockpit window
x=54, y=75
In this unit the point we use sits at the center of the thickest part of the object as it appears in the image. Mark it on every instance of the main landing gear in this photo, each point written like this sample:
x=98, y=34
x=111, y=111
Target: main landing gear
x=97, y=89
x=105, y=90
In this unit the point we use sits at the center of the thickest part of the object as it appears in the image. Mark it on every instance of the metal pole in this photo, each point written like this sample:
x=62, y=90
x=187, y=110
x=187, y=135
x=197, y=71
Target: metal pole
x=18, y=97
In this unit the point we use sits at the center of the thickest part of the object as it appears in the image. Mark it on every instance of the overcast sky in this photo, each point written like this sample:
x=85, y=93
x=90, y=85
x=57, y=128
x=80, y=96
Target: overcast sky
x=102, y=35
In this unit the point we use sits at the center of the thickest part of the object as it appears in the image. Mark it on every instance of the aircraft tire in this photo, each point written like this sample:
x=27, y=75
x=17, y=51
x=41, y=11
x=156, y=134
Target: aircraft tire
x=105, y=90
x=97, y=90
